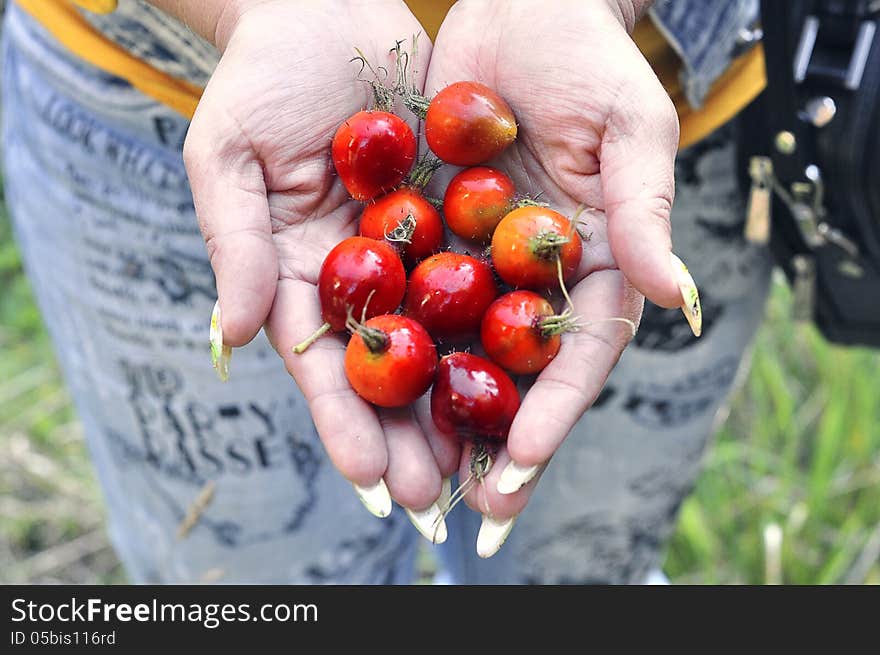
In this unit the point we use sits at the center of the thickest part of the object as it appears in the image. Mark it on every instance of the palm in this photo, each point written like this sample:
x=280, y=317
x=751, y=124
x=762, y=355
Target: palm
x=564, y=94
x=271, y=208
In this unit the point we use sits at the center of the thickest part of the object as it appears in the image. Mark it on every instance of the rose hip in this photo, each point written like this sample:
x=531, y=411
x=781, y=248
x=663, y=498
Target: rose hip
x=473, y=398
x=390, y=360
x=358, y=273
x=521, y=332
x=449, y=293
x=407, y=220
x=476, y=200
x=373, y=151
x=527, y=243
x=467, y=123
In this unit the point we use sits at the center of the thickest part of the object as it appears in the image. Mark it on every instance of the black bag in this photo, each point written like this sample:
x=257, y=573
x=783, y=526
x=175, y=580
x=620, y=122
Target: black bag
x=811, y=146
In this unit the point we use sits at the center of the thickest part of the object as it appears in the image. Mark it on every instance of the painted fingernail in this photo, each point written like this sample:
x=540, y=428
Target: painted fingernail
x=689, y=294
x=514, y=476
x=220, y=353
x=376, y=499
x=492, y=535
x=429, y=522
x=445, y=493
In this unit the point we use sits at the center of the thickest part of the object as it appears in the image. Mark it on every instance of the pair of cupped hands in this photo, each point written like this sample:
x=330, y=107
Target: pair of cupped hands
x=595, y=129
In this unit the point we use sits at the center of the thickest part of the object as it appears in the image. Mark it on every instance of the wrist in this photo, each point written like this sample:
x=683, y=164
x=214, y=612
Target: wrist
x=213, y=20
x=228, y=18
x=630, y=11
x=233, y=11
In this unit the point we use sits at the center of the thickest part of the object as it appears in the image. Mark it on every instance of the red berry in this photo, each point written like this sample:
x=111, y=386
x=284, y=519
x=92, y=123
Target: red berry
x=467, y=123
x=476, y=200
x=521, y=332
x=407, y=221
x=373, y=152
x=527, y=242
x=472, y=398
x=449, y=293
x=390, y=361
x=354, y=269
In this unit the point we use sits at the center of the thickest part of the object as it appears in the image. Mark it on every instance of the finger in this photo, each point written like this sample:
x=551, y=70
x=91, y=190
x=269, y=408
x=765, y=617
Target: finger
x=483, y=496
x=412, y=475
x=572, y=381
x=499, y=511
x=233, y=212
x=446, y=448
x=348, y=426
x=636, y=159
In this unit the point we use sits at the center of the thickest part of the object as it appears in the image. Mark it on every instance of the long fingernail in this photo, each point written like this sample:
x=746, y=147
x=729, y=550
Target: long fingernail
x=220, y=353
x=492, y=535
x=445, y=493
x=689, y=294
x=376, y=499
x=514, y=476
x=429, y=522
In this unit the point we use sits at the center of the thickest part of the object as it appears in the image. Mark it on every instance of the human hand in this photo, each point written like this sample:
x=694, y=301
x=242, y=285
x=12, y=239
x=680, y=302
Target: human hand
x=595, y=128
x=270, y=208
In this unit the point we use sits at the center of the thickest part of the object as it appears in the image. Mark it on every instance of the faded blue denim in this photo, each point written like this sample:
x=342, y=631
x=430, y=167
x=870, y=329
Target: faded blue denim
x=706, y=35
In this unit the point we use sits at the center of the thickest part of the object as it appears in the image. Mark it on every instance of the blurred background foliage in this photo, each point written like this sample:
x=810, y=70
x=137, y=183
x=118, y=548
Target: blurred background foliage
x=790, y=492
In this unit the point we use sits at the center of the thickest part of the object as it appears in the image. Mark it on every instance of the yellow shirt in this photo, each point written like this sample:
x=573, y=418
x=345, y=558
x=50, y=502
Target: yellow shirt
x=742, y=82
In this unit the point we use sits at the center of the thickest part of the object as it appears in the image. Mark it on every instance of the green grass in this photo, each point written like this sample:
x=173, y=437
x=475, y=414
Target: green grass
x=793, y=477
x=798, y=457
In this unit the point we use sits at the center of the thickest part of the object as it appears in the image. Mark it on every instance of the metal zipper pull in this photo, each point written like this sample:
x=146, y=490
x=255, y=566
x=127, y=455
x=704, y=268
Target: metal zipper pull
x=757, y=228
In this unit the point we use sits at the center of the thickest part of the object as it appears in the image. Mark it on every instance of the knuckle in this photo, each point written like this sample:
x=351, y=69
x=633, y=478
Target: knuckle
x=414, y=496
x=657, y=206
x=642, y=104
x=662, y=110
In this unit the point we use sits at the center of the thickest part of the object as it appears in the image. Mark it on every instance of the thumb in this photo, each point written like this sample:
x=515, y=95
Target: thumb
x=231, y=203
x=638, y=184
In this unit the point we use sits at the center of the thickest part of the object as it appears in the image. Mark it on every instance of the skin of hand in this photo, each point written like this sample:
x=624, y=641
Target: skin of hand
x=595, y=127
x=270, y=207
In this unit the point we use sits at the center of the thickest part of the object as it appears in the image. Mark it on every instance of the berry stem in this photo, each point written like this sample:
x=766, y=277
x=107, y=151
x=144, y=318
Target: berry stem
x=567, y=322
x=409, y=94
x=562, y=285
x=480, y=463
x=374, y=339
x=423, y=171
x=383, y=96
x=529, y=201
x=559, y=324
x=547, y=244
x=403, y=232
x=300, y=348
x=416, y=103
x=613, y=319
x=437, y=203
x=577, y=223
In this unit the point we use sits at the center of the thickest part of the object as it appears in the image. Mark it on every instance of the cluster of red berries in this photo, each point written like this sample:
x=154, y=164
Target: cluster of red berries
x=391, y=358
